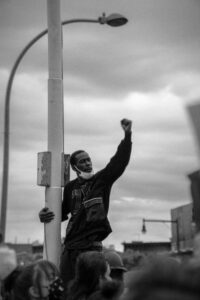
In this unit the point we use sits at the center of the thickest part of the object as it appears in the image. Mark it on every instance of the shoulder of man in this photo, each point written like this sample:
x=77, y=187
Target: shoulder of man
x=71, y=183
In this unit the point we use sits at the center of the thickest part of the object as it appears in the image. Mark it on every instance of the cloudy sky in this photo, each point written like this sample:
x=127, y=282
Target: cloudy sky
x=147, y=70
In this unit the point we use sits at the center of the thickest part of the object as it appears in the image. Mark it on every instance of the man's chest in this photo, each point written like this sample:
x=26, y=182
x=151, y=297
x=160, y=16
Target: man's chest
x=80, y=193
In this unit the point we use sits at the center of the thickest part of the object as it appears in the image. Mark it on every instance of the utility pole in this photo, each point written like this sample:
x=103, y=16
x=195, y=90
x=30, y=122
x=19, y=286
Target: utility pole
x=53, y=193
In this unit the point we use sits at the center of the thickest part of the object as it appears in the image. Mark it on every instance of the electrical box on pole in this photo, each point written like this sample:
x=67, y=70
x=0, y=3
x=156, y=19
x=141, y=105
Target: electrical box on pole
x=44, y=169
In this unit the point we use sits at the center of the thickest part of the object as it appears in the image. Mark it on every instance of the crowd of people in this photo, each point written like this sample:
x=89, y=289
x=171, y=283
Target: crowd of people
x=100, y=276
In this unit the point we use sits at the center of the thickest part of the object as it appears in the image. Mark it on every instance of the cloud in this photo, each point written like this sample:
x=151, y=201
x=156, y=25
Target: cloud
x=97, y=50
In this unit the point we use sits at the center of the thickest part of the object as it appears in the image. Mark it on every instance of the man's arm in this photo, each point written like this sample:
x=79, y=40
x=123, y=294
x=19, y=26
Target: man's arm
x=46, y=215
x=120, y=160
x=65, y=203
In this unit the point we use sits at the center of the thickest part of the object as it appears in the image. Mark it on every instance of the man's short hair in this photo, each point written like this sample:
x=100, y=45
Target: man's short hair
x=73, y=157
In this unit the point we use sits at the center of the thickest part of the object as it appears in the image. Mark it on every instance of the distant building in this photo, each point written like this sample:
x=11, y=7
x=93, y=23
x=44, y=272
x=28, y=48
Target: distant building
x=135, y=252
x=27, y=253
x=34, y=248
x=194, y=178
x=181, y=245
x=182, y=228
x=147, y=247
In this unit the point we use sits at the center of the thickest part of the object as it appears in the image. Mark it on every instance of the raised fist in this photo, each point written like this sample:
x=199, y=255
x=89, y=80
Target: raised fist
x=126, y=125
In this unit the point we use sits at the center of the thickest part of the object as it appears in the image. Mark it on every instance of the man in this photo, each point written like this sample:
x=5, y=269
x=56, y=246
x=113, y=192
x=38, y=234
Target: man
x=87, y=199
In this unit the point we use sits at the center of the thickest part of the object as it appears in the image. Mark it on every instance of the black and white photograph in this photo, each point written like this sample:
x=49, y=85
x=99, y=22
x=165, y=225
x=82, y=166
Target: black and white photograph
x=99, y=148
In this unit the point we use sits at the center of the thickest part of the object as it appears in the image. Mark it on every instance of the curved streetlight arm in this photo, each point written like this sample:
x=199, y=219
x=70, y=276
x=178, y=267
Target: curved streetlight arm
x=7, y=117
x=12, y=74
x=23, y=52
x=21, y=55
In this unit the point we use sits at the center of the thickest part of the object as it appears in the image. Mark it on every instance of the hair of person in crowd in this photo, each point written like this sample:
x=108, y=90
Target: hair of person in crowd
x=35, y=280
x=91, y=271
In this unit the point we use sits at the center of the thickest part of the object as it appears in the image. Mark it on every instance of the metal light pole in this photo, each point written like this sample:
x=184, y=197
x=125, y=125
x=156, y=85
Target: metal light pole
x=53, y=193
x=113, y=20
x=144, y=230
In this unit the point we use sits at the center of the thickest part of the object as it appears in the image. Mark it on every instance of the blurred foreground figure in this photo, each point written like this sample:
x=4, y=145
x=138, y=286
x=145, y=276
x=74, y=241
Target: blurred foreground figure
x=87, y=199
x=91, y=272
x=9, y=283
x=8, y=263
x=37, y=281
x=164, y=279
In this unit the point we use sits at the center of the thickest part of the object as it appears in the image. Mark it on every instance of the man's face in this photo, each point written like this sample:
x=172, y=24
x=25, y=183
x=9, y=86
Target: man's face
x=83, y=162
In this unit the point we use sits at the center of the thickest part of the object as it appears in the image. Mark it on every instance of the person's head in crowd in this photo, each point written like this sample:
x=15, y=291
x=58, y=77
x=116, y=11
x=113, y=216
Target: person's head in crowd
x=39, y=280
x=8, y=262
x=91, y=271
x=164, y=279
x=117, y=268
x=9, y=283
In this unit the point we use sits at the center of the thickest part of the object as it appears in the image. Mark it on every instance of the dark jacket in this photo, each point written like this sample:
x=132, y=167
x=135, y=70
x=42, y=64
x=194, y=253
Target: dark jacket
x=89, y=203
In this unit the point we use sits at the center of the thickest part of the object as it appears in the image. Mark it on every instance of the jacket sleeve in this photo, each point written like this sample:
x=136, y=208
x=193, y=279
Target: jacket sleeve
x=66, y=203
x=119, y=161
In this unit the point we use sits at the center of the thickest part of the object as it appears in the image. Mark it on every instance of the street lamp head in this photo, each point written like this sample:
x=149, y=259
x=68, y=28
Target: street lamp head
x=144, y=230
x=113, y=20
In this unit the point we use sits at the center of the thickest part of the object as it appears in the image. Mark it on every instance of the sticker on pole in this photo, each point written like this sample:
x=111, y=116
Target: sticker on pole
x=44, y=169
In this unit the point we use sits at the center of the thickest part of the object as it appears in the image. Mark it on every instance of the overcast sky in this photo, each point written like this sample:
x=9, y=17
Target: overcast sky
x=147, y=70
